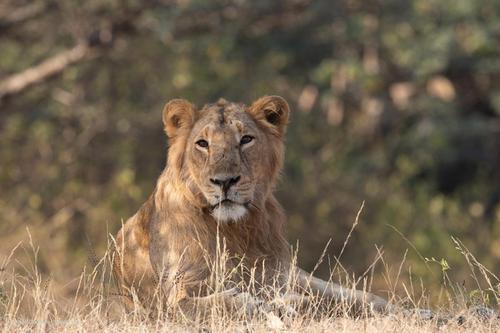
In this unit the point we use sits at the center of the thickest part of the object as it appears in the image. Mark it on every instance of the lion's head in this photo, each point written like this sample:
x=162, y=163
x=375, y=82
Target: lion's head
x=227, y=155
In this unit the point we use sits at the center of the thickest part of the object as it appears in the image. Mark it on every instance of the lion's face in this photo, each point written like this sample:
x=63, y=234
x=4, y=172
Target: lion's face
x=222, y=155
x=232, y=153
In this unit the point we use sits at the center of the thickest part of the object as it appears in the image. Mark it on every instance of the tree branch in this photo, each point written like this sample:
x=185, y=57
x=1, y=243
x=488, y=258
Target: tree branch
x=49, y=67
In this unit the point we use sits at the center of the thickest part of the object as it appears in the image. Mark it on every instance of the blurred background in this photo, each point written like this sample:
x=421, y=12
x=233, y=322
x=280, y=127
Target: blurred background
x=395, y=103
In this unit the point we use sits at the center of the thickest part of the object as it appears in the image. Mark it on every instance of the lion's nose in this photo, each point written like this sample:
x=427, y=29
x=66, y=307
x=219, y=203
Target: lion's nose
x=225, y=182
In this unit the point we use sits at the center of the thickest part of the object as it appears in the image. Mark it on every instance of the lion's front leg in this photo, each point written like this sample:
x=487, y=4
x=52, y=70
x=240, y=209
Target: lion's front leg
x=231, y=301
x=356, y=300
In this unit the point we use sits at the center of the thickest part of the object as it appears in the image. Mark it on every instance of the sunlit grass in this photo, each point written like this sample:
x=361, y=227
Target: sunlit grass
x=27, y=303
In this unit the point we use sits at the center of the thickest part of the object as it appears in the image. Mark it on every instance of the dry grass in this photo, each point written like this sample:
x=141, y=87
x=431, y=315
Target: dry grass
x=27, y=303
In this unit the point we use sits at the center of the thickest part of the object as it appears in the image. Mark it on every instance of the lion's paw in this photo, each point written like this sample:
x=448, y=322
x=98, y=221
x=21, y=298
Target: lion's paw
x=251, y=305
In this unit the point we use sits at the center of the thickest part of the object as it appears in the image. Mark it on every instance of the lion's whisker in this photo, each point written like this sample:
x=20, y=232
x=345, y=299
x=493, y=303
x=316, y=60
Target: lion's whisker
x=251, y=204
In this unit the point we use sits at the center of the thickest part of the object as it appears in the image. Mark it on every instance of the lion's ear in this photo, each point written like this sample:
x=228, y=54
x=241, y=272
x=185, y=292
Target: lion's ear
x=271, y=112
x=178, y=114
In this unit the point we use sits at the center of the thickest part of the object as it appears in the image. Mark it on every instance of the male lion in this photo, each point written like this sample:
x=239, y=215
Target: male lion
x=217, y=191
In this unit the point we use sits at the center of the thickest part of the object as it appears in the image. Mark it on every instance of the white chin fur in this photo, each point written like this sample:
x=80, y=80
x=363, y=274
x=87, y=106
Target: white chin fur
x=226, y=213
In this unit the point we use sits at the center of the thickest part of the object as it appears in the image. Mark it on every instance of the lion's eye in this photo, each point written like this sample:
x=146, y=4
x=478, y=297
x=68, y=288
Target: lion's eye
x=202, y=143
x=246, y=139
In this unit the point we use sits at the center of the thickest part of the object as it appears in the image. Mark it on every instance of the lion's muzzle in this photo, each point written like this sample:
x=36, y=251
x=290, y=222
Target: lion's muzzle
x=225, y=182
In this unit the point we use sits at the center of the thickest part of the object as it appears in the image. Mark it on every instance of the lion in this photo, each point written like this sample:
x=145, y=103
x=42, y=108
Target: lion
x=224, y=161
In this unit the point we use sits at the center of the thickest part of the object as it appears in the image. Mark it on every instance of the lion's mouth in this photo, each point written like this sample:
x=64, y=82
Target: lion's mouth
x=225, y=202
x=228, y=210
x=228, y=203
